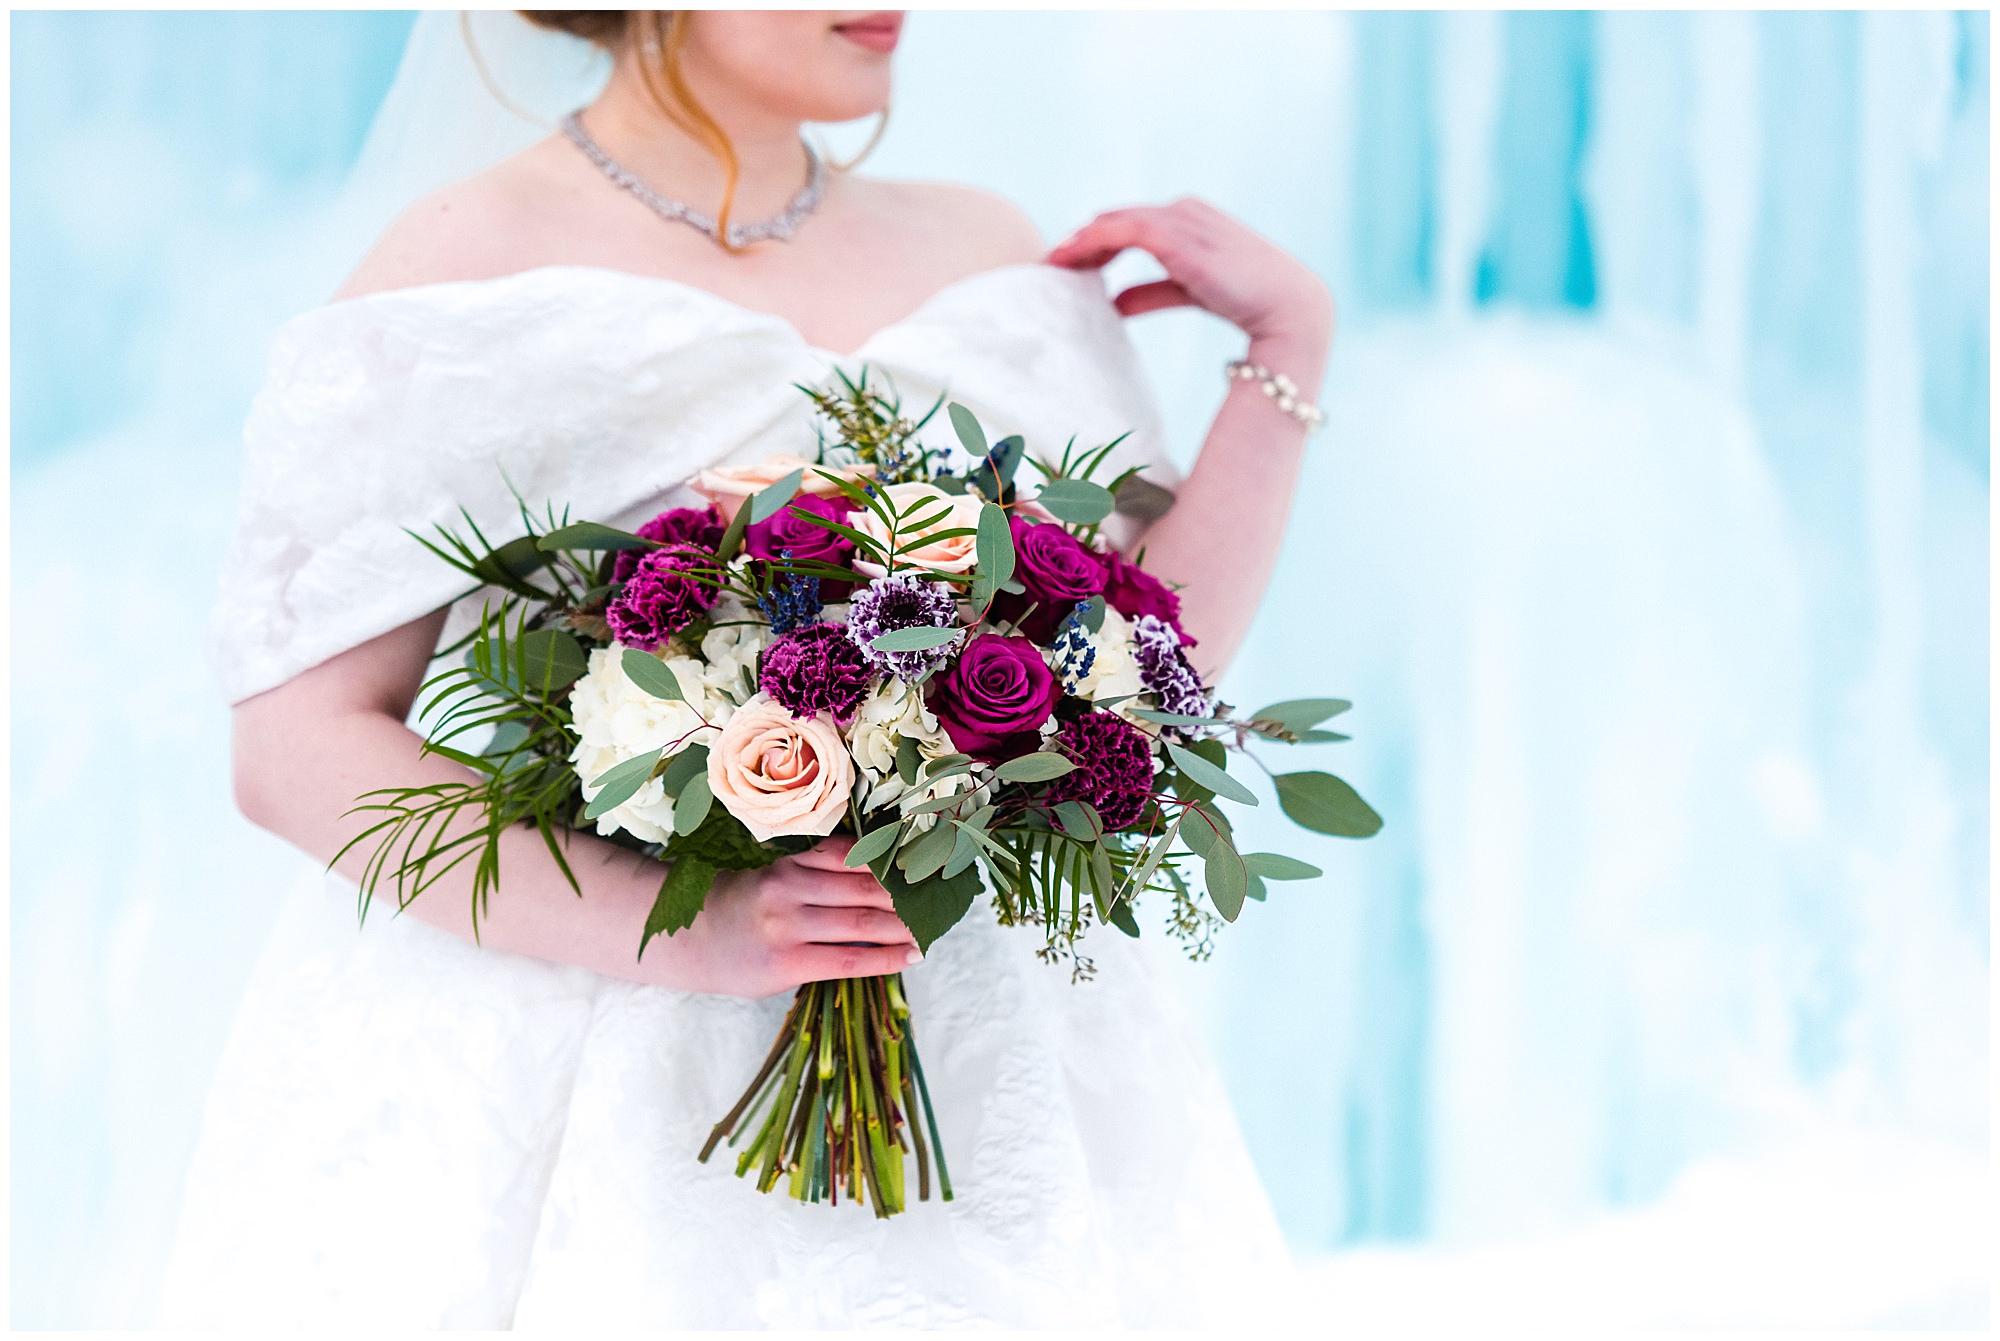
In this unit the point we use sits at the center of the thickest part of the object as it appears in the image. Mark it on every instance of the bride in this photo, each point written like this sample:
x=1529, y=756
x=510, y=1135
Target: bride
x=412, y=1127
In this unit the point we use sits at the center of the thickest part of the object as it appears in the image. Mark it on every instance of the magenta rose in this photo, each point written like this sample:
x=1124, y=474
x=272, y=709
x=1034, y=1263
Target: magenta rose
x=787, y=530
x=1132, y=592
x=1057, y=571
x=994, y=698
x=682, y=526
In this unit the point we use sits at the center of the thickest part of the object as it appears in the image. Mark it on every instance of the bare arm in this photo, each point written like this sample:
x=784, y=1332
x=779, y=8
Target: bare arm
x=1241, y=487
x=306, y=750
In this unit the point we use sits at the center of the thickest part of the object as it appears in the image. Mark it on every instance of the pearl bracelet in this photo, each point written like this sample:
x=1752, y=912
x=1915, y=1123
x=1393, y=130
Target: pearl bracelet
x=1281, y=389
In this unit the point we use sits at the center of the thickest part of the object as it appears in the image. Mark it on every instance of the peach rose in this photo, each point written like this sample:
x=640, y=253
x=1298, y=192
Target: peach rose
x=921, y=502
x=780, y=774
x=728, y=486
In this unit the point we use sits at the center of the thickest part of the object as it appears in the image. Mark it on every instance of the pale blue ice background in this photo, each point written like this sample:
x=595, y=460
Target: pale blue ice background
x=1650, y=536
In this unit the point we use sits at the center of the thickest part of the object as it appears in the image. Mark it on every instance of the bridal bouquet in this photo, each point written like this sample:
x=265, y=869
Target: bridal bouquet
x=966, y=679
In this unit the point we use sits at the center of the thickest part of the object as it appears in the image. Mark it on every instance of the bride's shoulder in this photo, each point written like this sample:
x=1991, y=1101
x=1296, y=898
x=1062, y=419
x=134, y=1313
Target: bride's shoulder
x=493, y=223
x=987, y=229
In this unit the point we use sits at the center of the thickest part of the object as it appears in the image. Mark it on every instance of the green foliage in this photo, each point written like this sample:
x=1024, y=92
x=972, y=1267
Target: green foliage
x=1212, y=776
x=1325, y=804
x=765, y=504
x=593, y=537
x=928, y=907
x=621, y=783
x=650, y=675
x=914, y=639
x=680, y=900
x=1078, y=502
x=1039, y=767
x=1274, y=866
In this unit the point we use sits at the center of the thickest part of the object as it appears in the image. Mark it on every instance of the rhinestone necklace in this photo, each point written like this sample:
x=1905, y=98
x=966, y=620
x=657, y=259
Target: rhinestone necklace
x=775, y=229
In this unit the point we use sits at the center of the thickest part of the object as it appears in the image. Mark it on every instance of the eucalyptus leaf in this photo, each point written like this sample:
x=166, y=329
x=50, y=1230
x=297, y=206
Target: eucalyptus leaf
x=963, y=849
x=1042, y=767
x=592, y=536
x=1079, y=819
x=774, y=496
x=620, y=783
x=1325, y=804
x=1209, y=775
x=993, y=477
x=1296, y=714
x=936, y=768
x=1310, y=737
x=913, y=640
x=927, y=855
x=1103, y=881
x=906, y=759
x=1228, y=881
x=650, y=674
x=1205, y=830
x=692, y=807
x=1090, y=614
x=689, y=763
x=968, y=429
x=1253, y=885
x=1078, y=502
x=873, y=844
x=1172, y=718
x=1275, y=866
x=994, y=554
x=1121, y=917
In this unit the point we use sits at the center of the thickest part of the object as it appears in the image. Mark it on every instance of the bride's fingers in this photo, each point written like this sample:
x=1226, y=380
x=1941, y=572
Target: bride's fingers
x=833, y=926
x=817, y=963
x=1153, y=297
x=840, y=889
x=1094, y=244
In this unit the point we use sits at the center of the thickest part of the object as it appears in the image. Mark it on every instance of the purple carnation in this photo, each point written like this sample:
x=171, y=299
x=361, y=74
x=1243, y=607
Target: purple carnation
x=1114, y=768
x=816, y=669
x=902, y=601
x=1164, y=668
x=660, y=599
x=682, y=526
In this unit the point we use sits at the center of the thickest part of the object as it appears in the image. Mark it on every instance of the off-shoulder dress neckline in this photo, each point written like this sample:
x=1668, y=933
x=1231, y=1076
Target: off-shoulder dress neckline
x=694, y=293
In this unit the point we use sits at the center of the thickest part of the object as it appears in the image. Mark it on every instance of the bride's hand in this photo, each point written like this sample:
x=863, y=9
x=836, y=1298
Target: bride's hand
x=764, y=932
x=1214, y=263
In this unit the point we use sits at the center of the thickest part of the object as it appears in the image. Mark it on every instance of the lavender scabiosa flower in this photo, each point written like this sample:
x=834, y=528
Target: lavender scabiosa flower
x=901, y=601
x=1164, y=668
x=660, y=599
x=816, y=669
x=1114, y=768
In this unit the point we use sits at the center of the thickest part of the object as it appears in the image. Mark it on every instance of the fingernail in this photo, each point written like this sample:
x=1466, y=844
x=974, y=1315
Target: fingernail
x=913, y=956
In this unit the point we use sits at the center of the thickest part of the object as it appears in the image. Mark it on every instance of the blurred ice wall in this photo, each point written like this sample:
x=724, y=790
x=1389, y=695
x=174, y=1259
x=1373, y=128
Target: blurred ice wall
x=1649, y=537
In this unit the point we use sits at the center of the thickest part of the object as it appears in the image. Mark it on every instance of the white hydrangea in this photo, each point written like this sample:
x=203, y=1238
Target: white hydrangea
x=892, y=711
x=616, y=720
x=1114, y=672
x=731, y=649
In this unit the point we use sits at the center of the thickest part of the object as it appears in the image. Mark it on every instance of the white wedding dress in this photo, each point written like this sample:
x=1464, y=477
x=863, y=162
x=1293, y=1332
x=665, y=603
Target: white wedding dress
x=410, y=1131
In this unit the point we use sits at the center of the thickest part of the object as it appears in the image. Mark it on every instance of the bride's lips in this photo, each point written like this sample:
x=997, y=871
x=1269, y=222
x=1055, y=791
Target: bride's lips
x=877, y=32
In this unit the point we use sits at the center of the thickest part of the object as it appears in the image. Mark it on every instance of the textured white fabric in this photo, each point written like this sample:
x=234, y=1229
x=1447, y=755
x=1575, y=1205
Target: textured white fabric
x=410, y=1131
